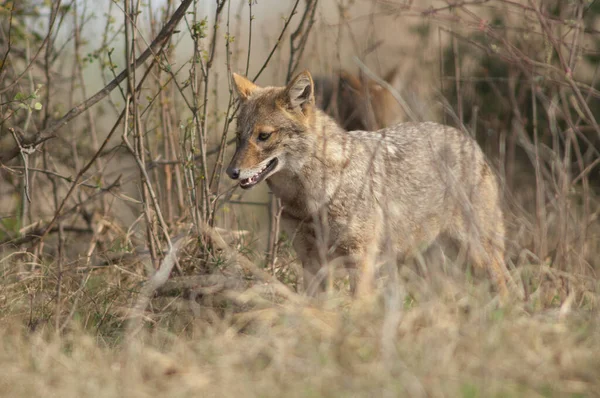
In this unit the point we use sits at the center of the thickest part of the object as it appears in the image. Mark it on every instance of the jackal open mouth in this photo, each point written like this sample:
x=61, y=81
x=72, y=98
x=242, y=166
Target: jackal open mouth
x=258, y=177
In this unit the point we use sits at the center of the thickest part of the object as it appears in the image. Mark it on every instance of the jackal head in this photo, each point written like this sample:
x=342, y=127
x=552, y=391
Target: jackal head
x=271, y=127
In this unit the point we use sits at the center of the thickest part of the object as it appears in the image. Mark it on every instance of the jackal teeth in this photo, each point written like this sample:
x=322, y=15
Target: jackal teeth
x=251, y=181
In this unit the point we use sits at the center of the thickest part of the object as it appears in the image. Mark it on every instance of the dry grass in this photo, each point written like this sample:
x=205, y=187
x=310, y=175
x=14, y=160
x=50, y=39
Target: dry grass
x=458, y=346
x=437, y=334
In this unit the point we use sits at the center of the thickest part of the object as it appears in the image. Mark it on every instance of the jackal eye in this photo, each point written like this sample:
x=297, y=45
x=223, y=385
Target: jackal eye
x=263, y=136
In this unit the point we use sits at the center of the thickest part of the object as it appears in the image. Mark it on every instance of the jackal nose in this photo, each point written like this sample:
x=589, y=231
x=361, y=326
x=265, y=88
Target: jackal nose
x=234, y=174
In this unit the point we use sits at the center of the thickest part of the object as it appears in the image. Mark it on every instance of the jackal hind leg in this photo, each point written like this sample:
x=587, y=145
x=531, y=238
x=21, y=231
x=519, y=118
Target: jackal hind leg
x=483, y=234
x=480, y=223
x=489, y=254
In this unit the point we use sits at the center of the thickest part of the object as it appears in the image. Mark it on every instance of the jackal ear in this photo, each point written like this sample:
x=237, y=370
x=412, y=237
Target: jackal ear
x=300, y=91
x=243, y=86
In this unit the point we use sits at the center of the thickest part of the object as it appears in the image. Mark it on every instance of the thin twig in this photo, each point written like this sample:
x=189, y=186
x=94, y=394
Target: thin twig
x=154, y=47
x=278, y=42
x=25, y=152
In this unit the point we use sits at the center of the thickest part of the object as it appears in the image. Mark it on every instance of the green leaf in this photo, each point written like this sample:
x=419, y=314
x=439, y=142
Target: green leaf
x=37, y=106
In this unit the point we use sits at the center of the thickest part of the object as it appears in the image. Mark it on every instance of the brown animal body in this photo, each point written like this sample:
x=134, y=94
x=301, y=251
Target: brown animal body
x=352, y=195
x=357, y=102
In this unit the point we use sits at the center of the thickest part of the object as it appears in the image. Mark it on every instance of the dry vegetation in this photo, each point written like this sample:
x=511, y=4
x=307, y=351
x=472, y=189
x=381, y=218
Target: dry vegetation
x=131, y=266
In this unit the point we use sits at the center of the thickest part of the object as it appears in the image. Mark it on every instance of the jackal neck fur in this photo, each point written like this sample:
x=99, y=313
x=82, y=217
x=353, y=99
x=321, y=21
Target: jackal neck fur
x=313, y=173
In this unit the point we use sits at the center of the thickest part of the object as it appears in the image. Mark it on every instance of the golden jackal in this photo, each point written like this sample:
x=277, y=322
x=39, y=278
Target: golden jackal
x=357, y=102
x=352, y=195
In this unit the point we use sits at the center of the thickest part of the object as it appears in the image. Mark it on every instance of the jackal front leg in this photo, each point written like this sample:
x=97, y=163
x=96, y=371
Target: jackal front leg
x=315, y=282
x=361, y=266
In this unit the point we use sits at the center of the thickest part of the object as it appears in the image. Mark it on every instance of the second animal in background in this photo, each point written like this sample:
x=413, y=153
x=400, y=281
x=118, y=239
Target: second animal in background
x=358, y=102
